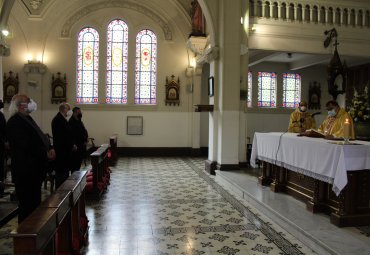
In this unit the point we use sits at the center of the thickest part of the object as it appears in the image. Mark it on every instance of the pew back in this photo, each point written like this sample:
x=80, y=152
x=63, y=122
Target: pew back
x=51, y=228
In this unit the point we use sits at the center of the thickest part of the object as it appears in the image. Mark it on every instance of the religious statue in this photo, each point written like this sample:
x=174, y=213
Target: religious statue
x=197, y=19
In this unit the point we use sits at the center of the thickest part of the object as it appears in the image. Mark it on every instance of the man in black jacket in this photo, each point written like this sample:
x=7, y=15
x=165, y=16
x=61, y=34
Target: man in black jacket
x=30, y=151
x=80, y=136
x=2, y=148
x=63, y=143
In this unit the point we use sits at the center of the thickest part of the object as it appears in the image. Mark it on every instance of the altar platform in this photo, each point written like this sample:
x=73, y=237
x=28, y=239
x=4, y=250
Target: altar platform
x=314, y=230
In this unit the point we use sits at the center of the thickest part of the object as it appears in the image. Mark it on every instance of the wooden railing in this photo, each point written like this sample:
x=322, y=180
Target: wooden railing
x=98, y=177
x=59, y=224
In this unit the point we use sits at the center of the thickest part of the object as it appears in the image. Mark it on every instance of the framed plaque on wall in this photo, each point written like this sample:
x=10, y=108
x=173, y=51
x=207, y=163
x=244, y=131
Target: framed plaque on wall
x=134, y=125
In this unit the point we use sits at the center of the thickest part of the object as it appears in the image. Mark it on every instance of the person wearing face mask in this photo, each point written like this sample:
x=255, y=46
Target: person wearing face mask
x=80, y=137
x=63, y=143
x=30, y=152
x=333, y=125
x=301, y=120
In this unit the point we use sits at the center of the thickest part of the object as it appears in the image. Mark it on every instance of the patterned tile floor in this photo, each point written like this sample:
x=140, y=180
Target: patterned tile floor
x=170, y=206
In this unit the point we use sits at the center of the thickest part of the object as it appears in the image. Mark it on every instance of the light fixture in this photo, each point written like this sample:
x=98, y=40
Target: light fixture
x=5, y=32
x=193, y=63
x=39, y=58
x=29, y=57
x=241, y=20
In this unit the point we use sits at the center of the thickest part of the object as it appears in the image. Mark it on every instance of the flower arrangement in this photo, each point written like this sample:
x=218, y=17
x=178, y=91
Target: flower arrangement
x=359, y=108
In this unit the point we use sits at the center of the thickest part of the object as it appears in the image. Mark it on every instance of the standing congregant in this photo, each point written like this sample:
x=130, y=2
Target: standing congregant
x=80, y=136
x=2, y=148
x=63, y=143
x=30, y=151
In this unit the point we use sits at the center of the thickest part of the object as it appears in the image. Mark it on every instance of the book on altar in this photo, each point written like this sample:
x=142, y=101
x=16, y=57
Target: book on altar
x=314, y=133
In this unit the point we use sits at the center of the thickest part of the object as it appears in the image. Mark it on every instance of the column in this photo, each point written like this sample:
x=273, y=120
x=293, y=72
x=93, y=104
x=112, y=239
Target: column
x=226, y=111
x=34, y=85
x=197, y=91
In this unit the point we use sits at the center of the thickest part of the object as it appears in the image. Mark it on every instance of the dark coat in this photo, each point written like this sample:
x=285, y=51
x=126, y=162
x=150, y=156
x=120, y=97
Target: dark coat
x=2, y=128
x=79, y=133
x=62, y=139
x=28, y=149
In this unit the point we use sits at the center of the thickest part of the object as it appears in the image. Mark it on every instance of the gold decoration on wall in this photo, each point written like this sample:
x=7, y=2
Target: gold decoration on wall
x=10, y=86
x=173, y=91
x=58, y=89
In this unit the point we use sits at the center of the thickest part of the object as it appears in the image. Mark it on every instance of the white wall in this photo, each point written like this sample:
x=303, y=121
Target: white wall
x=164, y=125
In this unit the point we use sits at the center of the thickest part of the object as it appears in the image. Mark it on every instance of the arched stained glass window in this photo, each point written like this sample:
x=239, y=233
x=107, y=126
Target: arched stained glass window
x=267, y=89
x=87, y=66
x=117, y=52
x=249, y=90
x=291, y=90
x=146, y=68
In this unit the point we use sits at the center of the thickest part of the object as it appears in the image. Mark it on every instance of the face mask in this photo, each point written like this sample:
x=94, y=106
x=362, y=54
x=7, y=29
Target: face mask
x=332, y=113
x=303, y=108
x=69, y=113
x=32, y=106
x=79, y=116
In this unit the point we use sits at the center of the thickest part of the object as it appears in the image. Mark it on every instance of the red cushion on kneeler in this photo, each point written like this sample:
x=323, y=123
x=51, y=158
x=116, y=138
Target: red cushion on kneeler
x=84, y=222
x=84, y=226
x=89, y=178
x=90, y=185
x=76, y=245
x=57, y=245
x=105, y=180
x=109, y=154
x=101, y=186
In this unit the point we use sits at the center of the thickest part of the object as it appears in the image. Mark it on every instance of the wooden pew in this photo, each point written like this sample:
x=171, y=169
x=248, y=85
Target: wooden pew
x=113, y=150
x=36, y=234
x=54, y=226
x=76, y=185
x=100, y=167
x=8, y=210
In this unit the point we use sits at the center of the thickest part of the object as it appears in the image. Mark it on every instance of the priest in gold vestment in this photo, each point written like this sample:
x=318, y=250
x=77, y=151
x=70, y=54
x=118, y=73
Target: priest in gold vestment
x=334, y=125
x=301, y=120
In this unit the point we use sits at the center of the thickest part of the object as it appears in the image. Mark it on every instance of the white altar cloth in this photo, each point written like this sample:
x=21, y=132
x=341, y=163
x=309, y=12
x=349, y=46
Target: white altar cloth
x=321, y=159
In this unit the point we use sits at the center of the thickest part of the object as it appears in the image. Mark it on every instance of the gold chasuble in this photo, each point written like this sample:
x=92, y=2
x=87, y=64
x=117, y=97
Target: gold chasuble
x=335, y=125
x=301, y=121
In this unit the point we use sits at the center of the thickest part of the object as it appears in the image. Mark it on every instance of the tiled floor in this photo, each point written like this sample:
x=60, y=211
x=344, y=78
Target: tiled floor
x=171, y=206
x=314, y=229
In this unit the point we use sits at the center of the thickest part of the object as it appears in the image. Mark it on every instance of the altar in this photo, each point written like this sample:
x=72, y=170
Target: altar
x=328, y=176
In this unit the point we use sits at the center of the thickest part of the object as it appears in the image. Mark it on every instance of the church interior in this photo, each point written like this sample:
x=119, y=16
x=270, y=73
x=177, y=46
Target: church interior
x=174, y=94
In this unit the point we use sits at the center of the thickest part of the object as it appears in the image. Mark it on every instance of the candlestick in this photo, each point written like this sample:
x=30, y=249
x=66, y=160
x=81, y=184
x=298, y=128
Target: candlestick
x=346, y=131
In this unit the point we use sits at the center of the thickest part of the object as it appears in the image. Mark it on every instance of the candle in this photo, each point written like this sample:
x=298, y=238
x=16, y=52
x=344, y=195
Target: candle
x=346, y=129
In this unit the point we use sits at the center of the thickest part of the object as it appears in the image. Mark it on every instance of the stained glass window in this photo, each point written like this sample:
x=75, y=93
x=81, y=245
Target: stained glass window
x=291, y=90
x=266, y=89
x=87, y=66
x=146, y=68
x=117, y=54
x=249, y=90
